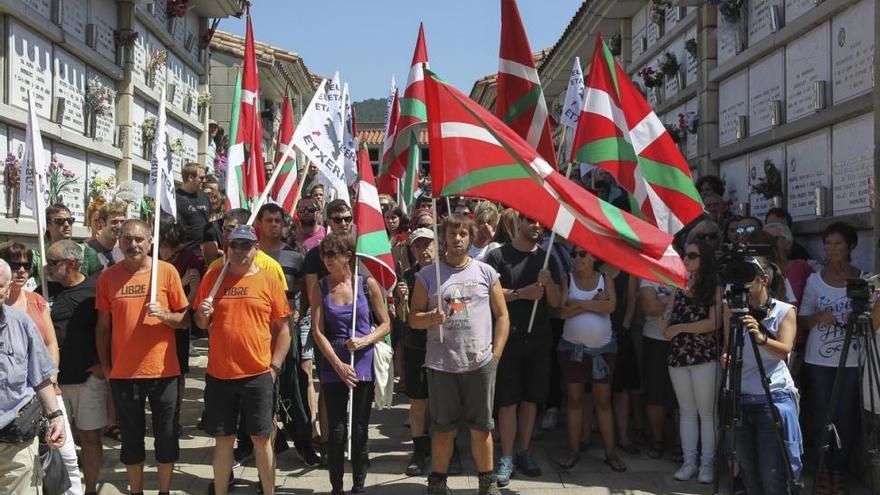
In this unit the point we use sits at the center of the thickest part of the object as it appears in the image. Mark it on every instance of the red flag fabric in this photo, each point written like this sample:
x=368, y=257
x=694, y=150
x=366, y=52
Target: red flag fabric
x=250, y=128
x=285, y=188
x=372, y=245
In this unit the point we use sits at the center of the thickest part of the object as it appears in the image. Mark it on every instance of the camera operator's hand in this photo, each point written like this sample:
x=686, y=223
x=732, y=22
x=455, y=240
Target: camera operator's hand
x=751, y=326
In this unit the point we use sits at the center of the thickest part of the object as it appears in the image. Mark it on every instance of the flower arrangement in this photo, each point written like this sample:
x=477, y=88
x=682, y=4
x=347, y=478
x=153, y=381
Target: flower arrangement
x=176, y=146
x=688, y=122
x=691, y=46
x=177, y=8
x=60, y=180
x=148, y=130
x=614, y=43
x=731, y=10
x=658, y=11
x=99, y=98
x=125, y=37
x=204, y=100
x=101, y=186
x=157, y=60
x=771, y=185
x=12, y=170
x=651, y=78
x=669, y=65
x=675, y=132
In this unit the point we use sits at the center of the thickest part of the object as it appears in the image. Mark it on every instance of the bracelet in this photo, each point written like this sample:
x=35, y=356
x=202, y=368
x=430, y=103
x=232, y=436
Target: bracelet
x=55, y=414
x=276, y=369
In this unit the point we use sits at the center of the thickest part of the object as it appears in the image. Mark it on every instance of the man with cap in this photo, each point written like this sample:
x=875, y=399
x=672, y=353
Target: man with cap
x=248, y=341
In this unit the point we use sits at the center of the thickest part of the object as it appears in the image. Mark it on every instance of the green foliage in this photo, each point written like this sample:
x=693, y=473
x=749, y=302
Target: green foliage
x=370, y=110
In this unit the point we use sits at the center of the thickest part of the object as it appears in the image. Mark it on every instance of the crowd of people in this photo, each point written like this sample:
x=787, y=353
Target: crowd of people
x=489, y=333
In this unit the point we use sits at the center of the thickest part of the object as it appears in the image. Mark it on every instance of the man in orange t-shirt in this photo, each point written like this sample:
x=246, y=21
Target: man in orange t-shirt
x=137, y=350
x=248, y=340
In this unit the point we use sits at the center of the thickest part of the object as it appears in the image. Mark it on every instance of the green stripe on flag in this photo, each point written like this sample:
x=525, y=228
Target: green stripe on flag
x=408, y=182
x=669, y=177
x=609, y=60
x=622, y=228
x=523, y=105
x=288, y=166
x=373, y=243
x=606, y=150
x=413, y=107
x=236, y=109
x=484, y=176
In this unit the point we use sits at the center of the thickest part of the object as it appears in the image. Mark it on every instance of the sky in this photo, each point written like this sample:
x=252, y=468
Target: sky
x=368, y=41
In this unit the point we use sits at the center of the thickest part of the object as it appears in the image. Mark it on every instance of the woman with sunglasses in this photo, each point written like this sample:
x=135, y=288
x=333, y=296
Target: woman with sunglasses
x=335, y=337
x=690, y=323
x=587, y=352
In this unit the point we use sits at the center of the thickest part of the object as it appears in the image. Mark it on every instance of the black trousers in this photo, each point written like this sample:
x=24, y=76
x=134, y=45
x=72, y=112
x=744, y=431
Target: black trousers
x=336, y=397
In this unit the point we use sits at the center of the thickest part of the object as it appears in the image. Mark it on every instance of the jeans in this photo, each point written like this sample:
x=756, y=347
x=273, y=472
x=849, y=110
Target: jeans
x=695, y=389
x=846, y=419
x=336, y=396
x=758, y=453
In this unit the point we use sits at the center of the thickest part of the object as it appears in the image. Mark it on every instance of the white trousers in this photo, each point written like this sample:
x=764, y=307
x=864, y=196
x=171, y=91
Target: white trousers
x=68, y=453
x=696, y=389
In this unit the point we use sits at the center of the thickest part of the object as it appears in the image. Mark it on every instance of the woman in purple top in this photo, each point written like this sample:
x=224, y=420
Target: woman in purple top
x=332, y=331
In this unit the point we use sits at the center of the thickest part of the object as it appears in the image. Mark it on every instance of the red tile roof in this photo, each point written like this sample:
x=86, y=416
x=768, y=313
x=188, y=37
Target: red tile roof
x=374, y=137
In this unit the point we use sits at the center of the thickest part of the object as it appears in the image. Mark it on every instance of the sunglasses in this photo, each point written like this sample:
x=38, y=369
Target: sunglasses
x=579, y=254
x=49, y=262
x=62, y=221
x=330, y=254
x=18, y=265
x=341, y=219
x=241, y=245
x=748, y=229
x=308, y=209
x=692, y=256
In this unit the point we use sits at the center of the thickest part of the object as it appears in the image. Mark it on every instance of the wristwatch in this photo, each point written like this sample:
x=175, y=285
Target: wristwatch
x=515, y=294
x=54, y=414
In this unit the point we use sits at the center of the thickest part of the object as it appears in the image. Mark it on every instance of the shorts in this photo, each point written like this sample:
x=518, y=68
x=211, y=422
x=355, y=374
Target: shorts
x=181, y=339
x=129, y=397
x=582, y=372
x=524, y=371
x=626, y=375
x=457, y=398
x=657, y=385
x=253, y=397
x=86, y=403
x=414, y=373
x=306, y=341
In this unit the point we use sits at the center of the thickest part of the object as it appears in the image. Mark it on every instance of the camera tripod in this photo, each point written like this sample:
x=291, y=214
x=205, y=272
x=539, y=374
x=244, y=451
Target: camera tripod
x=731, y=392
x=858, y=326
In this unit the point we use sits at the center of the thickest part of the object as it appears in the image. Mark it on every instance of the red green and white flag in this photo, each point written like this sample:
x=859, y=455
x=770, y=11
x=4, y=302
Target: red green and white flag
x=285, y=187
x=235, y=197
x=372, y=245
x=405, y=149
x=474, y=154
x=386, y=183
x=519, y=101
x=619, y=132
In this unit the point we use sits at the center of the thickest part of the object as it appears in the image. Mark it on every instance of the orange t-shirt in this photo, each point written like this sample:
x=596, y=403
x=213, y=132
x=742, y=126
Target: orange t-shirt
x=35, y=307
x=240, y=338
x=140, y=346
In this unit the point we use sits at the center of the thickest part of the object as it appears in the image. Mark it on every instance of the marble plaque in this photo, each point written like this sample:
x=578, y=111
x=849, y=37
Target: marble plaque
x=639, y=28
x=191, y=144
x=691, y=63
x=808, y=163
x=70, y=84
x=4, y=148
x=175, y=77
x=105, y=125
x=43, y=7
x=765, y=85
x=30, y=68
x=192, y=29
x=139, y=53
x=74, y=196
x=175, y=131
x=104, y=18
x=852, y=161
x=672, y=18
x=676, y=48
x=693, y=105
x=733, y=94
x=796, y=8
x=760, y=24
x=74, y=16
x=852, y=51
x=653, y=31
x=807, y=59
x=776, y=154
x=138, y=114
x=730, y=40
x=735, y=174
x=160, y=12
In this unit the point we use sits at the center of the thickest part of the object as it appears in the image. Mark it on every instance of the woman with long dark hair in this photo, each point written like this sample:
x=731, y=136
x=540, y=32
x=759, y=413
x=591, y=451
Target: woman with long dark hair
x=691, y=323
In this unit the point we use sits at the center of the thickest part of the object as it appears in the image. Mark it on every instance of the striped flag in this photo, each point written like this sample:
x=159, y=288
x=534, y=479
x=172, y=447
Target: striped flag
x=386, y=183
x=33, y=165
x=372, y=244
x=235, y=197
x=285, y=187
x=160, y=166
x=474, y=154
x=619, y=132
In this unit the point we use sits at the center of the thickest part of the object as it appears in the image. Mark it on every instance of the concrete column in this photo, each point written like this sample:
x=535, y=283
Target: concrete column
x=874, y=198
x=125, y=94
x=707, y=93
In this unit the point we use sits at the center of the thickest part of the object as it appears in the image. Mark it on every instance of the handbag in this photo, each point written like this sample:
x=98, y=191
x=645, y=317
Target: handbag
x=26, y=424
x=56, y=480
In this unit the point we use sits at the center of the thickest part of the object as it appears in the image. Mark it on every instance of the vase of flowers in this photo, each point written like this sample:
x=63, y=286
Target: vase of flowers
x=614, y=44
x=176, y=146
x=658, y=13
x=653, y=81
x=731, y=10
x=690, y=46
x=770, y=187
x=688, y=122
x=11, y=183
x=203, y=102
x=99, y=188
x=99, y=101
x=148, y=135
x=157, y=60
x=60, y=181
x=671, y=68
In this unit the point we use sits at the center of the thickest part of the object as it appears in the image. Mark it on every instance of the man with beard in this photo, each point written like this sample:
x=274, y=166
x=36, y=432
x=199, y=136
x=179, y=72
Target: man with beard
x=110, y=218
x=59, y=225
x=193, y=206
x=524, y=371
x=137, y=351
x=309, y=231
x=85, y=387
x=461, y=368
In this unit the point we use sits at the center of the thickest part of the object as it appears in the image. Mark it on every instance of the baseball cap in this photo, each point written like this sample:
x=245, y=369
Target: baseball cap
x=421, y=233
x=243, y=232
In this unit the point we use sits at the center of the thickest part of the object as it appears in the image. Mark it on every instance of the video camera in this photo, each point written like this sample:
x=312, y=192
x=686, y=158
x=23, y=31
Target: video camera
x=861, y=293
x=733, y=267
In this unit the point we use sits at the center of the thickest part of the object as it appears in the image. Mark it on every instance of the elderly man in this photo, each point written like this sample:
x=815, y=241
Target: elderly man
x=138, y=353
x=28, y=370
x=248, y=341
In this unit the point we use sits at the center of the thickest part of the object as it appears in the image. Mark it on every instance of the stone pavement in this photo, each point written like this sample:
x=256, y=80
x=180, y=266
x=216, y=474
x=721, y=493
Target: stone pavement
x=390, y=447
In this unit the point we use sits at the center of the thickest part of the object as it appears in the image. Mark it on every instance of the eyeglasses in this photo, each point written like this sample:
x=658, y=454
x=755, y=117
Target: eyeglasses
x=579, y=254
x=18, y=265
x=746, y=229
x=27, y=266
x=692, y=256
x=241, y=245
x=329, y=254
x=346, y=219
x=61, y=221
x=308, y=209
x=708, y=236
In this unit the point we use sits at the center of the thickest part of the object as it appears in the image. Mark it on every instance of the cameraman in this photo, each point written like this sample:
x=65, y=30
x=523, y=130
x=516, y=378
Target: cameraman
x=758, y=454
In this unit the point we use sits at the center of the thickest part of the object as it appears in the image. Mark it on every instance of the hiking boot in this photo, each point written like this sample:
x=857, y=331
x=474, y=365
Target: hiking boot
x=419, y=459
x=488, y=484
x=436, y=485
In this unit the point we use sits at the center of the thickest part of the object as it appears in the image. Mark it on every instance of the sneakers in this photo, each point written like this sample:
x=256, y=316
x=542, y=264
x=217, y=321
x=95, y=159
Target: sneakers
x=706, y=475
x=437, y=486
x=504, y=471
x=526, y=463
x=686, y=471
x=551, y=417
x=488, y=485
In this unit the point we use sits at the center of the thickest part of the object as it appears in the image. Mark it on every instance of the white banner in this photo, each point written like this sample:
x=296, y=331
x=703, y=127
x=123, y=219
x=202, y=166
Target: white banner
x=349, y=140
x=161, y=156
x=316, y=137
x=574, y=97
x=33, y=163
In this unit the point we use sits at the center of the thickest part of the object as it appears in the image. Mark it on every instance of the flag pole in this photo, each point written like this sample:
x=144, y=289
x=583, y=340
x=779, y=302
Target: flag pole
x=354, y=305
x=552, y=232
x=39, y=215
x=157, y=212
x=437, y=263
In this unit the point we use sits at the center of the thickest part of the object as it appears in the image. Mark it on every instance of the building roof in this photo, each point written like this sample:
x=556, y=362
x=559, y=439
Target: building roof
x=375, y=137
x=266, y=54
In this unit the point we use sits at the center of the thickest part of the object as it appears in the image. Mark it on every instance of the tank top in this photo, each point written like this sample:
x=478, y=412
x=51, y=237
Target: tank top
x=590, y=329
x=35, y=307
x=776, y=368
x=337, y=329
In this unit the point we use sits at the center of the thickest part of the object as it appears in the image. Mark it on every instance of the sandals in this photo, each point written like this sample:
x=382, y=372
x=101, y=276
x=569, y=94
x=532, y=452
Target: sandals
x=655, y=451
x=568, y=462
x=615, y=464
x=113, y=432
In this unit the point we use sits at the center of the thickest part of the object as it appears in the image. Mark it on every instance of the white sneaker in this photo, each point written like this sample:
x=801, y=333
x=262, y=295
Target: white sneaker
x=706, y=474
x=686, y=472
x=550, y=418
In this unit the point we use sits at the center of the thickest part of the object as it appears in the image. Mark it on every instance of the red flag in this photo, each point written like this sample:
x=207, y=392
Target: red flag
x=373, y=246
x=250, y=128
x=284, y=191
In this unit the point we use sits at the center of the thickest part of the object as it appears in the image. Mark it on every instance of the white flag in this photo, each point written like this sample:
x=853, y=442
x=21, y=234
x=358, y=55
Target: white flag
x=316, y=137
x=349, y=140
x=33, y=163
x=161, y=157
x=389, y=106
x=574, y=97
